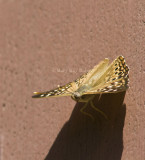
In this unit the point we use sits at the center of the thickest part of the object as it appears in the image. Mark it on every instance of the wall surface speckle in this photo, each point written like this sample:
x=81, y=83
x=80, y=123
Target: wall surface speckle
x=48, y=43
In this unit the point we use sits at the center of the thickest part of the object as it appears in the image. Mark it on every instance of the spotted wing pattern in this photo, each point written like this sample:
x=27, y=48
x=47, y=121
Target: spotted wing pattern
x=115, y=79
x=65, y=90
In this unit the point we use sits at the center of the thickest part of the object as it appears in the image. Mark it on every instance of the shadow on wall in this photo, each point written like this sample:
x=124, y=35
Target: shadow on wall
x=83, y=139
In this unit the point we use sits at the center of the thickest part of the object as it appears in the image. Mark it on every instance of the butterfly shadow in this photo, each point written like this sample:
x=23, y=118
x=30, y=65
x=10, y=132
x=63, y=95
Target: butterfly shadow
x=84, y=139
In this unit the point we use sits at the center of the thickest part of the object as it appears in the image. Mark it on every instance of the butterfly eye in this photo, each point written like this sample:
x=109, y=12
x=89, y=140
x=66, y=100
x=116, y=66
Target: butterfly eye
x=76, y=98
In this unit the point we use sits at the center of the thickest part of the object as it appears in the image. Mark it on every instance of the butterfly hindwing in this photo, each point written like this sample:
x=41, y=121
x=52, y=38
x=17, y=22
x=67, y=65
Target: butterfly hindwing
x=90, y=75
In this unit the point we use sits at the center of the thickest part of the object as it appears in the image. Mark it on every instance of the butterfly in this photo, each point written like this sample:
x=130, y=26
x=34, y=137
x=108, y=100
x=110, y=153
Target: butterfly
x=103, y=78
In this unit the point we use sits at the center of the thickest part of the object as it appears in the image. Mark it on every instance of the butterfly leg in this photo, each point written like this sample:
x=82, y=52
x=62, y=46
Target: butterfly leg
x=87, y=114
x=99, y=96
x=98, y=110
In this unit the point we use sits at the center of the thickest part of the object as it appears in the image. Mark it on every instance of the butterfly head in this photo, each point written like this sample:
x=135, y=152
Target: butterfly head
x=76, y=96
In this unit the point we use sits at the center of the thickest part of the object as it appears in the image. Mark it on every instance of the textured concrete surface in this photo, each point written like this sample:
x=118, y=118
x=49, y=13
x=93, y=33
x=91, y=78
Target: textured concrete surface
x=46, y=43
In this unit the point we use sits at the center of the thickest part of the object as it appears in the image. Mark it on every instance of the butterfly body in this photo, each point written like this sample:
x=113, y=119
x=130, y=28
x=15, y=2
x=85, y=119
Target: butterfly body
x=103, y=78
x=81, y=98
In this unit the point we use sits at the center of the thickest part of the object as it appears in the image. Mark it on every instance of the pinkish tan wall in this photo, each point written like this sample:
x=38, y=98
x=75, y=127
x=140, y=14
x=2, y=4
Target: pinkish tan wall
x=46, y=43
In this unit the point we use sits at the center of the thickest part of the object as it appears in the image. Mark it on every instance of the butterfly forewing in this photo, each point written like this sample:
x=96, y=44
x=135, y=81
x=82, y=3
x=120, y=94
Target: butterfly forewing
x=65, y=90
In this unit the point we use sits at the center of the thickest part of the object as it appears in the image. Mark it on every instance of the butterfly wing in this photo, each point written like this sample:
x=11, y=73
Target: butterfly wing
x=87, y=77
x=65, y=90
x=71, y=87
x=114, y=79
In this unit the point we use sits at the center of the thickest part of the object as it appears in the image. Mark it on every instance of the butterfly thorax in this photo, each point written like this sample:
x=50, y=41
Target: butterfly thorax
x=79, y=94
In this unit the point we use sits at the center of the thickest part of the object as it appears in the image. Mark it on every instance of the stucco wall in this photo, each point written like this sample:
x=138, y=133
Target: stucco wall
x=48, y=43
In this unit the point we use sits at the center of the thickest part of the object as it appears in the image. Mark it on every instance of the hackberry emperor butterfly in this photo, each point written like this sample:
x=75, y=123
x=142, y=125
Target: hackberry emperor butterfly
x=103, y=78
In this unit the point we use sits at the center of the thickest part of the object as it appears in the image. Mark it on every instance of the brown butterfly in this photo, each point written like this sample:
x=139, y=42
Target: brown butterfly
x=103, y=78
